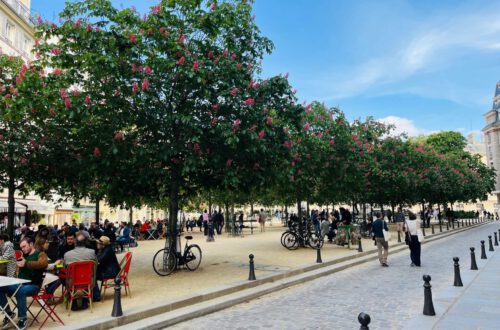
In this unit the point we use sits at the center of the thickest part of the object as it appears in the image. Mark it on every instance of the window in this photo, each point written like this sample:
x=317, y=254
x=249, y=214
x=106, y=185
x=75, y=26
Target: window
x=10, y=31
x=26, y=44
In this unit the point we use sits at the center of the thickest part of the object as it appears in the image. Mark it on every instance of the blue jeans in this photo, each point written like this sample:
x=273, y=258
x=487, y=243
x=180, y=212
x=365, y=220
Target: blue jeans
x=24, y=291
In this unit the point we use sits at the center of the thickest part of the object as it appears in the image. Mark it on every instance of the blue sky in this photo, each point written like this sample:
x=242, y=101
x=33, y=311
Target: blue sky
x=423, y=65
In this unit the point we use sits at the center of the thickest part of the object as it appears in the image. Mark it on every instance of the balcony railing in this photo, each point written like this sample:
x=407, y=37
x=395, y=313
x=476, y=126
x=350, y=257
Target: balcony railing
x=20, y=9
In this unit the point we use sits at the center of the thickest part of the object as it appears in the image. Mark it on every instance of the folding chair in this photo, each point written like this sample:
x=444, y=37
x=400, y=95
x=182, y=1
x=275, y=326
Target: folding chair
x=122, y=274
x=48, y=303
x=81, y=278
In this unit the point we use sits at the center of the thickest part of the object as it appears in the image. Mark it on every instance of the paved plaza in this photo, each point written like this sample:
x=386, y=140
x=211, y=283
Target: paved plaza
x=392, y=296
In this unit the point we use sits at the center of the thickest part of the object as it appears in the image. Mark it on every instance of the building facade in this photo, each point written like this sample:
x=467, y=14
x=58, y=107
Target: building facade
x=16, y=29
x=492, y=139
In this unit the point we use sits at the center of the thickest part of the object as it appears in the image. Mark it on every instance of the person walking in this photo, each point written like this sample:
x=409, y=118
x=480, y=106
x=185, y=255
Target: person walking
x=379, y=226
x=399, y=219
x=262, y=220
x=412, y=226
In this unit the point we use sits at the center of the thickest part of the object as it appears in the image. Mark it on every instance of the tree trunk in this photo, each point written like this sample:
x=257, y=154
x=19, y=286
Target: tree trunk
x=299, y=214
x=209, y=205
x=12, y=206
x=364, y=211
x=131, y=215
x=173, y=207
x=307, y=209
x=97, y=211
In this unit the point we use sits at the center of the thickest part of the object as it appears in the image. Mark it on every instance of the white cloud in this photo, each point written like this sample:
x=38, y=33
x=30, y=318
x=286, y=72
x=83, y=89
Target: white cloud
x=404, y=125
x=438, y=42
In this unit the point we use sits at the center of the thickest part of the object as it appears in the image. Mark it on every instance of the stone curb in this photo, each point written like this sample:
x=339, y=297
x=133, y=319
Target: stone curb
x=212, y=300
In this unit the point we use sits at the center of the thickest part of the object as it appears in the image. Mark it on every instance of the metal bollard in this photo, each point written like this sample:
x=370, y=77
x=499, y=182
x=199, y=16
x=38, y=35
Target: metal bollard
x=423, y=230
x=360, y=247
x=318, y=253
x=117, y=303
x=458, y=224
x=473, y=264
x=399, y=236
x=496, y=239
x=428, y=305
x=364, y=319
x=483, y=251
x=458, y=278
x=447, y=225
x=452, y=224
x=432, y=229
x=491, y=244
x=440, y=227
x=251, y=275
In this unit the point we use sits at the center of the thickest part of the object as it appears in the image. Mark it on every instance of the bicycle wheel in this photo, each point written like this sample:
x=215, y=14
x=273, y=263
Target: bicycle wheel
x=282, y=239
x=314, y=239
x=192, y=257
x=291, y=241
x=164, y=262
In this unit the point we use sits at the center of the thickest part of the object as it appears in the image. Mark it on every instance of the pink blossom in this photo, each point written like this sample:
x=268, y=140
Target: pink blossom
x=23, y=161
x=89, y=28
x=234, y=91
x=354, y=137
x=196, y=66
x=155, y=9
x=56, y=51
x=118, y=136
x=181, y=60
x=210, y=55
x=233, y=57
x=225, y=53
x=181, y=39
x=37, y=41
x=306, y=126
x=87, y=99
x=67, y=103
x=145, y=84
x=147, y=69
x=97, y=152
x=261, y=134
x=78, y=22
x=292, y=178
x=229, y=162
x=216, y=61
x=214, y=121
x=286, y=75
x=238, y=66
x=40, y=20
x=269, y=120
x=288, y=144
x=135, y=87
x=132, y=38
x=249, y=67
x=213, y=6
x=63, y=93
x=236, y=124
x=249, y=101
x=332, y=142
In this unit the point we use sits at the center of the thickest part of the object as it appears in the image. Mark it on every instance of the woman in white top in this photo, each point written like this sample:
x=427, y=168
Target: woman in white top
x=412, y=226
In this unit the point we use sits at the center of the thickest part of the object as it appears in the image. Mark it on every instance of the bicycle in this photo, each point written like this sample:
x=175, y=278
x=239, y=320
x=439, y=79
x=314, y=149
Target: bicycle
x=168, y=259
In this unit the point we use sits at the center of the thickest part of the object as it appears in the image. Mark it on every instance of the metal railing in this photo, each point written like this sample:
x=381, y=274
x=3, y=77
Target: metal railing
x=21, y=10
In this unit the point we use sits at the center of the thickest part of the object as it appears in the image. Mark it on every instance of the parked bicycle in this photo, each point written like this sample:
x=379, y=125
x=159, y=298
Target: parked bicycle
x=168, y=259
x=293, y=238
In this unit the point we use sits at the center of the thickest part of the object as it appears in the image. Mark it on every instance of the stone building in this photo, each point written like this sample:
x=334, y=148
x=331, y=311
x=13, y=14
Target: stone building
x=492, y=139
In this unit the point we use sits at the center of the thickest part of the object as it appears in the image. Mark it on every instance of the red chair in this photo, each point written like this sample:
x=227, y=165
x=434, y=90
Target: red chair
x=81, y=278
x=123, y=275
x=48, y=303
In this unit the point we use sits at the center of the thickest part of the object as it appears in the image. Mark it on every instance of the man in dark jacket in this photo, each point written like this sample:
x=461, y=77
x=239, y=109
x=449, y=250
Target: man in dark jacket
x=108, y=266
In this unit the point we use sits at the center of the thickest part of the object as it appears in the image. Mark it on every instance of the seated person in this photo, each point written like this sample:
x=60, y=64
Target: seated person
x=31, y=267
x=108, y=266
x=68, y=245
x=7, y=253
x=124, y=235
x=50, y=280
x=109, y=231
x=95, y=231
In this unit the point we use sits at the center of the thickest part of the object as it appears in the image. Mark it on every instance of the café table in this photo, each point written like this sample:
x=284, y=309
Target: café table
x=8, y=281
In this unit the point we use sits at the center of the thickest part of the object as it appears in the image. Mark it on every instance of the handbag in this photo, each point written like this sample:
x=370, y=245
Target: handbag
x=387, y=234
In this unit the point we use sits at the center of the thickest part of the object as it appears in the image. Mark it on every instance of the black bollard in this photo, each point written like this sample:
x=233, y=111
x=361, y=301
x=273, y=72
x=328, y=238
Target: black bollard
x=452, y=224
x=458, y=224
x=428, y=305
x=117, y=303
x=496, y=239
x=364, y=319
x=423, y=230
x=498, y=233
x=440, y=227
x=318, y=253
x=458, y=278
x=432, y=229
x=473, y=264
x=360, y=247
x=483, y=251
x=399, y=236
x=491, y=244
x=251, y=275
x=447, y=225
